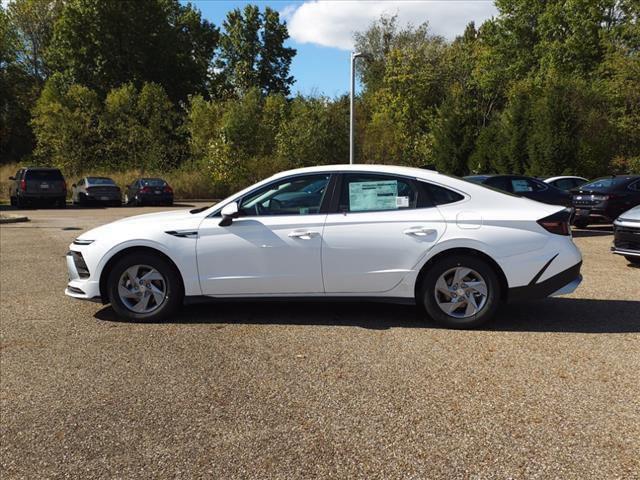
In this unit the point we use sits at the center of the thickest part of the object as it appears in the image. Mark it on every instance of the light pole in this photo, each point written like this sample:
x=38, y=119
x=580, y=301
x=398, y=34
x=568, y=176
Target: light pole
x=352, y=116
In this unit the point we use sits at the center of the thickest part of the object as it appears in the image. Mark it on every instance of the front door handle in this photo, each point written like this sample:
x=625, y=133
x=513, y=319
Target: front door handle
x=303, y=234
x=419, y=231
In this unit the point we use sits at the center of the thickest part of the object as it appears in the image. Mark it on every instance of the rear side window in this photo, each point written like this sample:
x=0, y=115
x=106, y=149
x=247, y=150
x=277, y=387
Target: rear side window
x=501, y=183
x=43, y=175
x=365, y=192
x=565, y=183
x=440, y=195
x=635, y=186
x=522, y=185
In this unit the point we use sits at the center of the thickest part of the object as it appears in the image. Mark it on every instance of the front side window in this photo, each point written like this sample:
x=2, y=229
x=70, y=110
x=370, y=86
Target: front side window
x=362, y=192
x=300, y=195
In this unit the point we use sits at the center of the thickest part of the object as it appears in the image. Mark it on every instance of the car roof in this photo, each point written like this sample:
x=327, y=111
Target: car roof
x=363, y=167
x=561, y=177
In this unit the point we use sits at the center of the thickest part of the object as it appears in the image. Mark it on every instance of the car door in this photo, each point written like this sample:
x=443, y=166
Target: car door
x=274, y=247
x=380, y=227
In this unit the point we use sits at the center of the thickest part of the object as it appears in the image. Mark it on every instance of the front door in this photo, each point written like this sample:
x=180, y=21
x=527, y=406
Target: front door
x=273, y=248
x=385, y=225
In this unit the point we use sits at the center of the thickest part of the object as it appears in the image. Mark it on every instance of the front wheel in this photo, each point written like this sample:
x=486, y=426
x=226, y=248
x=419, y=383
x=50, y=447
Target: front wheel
x=144, y=287
x=460, y=291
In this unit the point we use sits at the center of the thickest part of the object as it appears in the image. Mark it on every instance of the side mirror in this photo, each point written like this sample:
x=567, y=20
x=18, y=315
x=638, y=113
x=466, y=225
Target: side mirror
x=229, y=212
x=73, y=185
x=12, y=178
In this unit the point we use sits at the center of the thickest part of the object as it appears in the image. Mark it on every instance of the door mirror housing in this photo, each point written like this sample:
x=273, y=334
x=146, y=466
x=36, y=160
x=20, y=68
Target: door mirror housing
x=229, y=212
x=73, y=185
x=12, y=178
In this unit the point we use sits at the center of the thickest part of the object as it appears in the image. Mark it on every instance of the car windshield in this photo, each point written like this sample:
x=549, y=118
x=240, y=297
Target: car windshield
x=153, y=182
x=605, y=183
x=43, y=175
x=100, y=181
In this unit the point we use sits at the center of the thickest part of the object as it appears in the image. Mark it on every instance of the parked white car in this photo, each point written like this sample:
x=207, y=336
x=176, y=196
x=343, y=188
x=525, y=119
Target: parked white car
x=566, y=182
x=626, y=235
x=366, y=231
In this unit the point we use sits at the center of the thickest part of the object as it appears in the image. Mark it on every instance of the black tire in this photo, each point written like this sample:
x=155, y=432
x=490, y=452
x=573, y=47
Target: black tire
x=20, y=202
x=427, y=293
x=62, y=202
x=173, y=294
x=632, y=260
x=581, y=223
x=12, y=201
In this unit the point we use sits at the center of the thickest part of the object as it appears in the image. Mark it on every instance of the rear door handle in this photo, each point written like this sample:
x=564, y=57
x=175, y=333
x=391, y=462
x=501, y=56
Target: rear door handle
x=303, y=234
x=419, y=231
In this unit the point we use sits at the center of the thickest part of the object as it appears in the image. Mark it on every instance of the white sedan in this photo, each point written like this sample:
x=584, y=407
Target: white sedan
x=399, y=234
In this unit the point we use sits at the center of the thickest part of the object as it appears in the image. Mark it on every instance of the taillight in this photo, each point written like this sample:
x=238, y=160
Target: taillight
x=145, y=189
x=168, y=189
x=23, y=185
x=557, y=223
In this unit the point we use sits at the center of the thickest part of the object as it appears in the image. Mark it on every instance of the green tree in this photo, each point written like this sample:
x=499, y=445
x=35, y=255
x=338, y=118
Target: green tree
x=106, y=43
x=65, y=123
x=253, y=52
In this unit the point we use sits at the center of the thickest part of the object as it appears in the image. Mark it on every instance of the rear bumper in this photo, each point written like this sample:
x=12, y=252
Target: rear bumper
x=41, y=195
x=153, y=199
x=562, y=283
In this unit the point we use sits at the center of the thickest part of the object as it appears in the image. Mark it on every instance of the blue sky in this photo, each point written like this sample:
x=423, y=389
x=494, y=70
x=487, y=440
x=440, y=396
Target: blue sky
x=321, y=30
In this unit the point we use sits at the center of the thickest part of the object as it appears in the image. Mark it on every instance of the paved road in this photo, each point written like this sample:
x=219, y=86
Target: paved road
x=549, y=390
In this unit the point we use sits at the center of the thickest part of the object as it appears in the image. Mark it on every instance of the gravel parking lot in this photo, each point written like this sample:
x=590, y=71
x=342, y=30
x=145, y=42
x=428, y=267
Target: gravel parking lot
x=550, y=389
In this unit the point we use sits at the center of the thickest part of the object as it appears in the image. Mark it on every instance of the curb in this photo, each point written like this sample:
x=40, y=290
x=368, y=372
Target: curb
x=13, y=219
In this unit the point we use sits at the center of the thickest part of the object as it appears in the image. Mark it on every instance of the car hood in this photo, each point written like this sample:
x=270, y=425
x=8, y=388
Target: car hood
x=140, y=226
x=632, y=215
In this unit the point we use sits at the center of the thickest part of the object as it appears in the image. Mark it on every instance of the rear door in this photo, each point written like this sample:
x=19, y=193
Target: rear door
x=380, y=228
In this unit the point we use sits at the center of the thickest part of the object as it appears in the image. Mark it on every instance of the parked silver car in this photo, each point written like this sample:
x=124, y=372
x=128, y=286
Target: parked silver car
x=96, y=190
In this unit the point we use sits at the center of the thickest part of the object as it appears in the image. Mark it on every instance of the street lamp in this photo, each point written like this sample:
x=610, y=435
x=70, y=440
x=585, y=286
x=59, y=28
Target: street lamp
x=352, y=117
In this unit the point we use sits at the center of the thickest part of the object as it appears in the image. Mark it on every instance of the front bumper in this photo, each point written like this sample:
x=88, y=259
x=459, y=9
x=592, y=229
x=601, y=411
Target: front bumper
x=626, y=240
x=81, y=288
x=562, y=283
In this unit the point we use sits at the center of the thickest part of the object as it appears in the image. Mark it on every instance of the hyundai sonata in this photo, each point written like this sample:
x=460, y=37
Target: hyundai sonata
x=397, y=234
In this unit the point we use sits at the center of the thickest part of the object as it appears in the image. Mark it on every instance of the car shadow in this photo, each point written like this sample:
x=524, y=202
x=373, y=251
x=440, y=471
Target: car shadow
x=594, y=231
x=568, y=315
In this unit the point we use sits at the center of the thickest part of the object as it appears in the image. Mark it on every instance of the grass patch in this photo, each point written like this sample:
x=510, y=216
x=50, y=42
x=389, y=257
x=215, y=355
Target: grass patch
x=188, y=182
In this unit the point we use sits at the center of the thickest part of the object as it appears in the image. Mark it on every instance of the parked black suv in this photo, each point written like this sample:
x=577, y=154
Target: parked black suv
x=38, y=185
x=604, y=199
x=524, y=187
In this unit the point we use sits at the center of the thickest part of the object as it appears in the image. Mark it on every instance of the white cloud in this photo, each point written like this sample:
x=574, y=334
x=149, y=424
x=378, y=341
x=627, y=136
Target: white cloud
x=331, y=23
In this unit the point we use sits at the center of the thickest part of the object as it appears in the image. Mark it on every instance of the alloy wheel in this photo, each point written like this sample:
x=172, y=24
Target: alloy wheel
x=142, y=289
x=461, y=292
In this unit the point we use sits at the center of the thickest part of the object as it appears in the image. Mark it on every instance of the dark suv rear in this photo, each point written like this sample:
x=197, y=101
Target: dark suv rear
x=32, y=186
x=604, y=199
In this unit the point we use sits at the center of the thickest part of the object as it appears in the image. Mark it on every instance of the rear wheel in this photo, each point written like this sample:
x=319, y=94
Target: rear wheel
x=12, y=201
x=460, y=291
x=633, y=260
x=581, y=223
x=62, y=202
x=20, y=202
x=144, y=287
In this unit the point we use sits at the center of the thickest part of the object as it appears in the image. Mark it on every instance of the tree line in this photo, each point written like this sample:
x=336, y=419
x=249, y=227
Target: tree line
x=542, y=88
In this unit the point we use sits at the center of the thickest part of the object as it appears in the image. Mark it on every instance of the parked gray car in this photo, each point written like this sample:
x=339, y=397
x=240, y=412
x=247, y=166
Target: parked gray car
x=96, y=191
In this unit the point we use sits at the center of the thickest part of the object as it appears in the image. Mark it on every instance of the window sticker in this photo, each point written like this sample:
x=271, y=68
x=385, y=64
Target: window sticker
x=380, y=195
x=521, y=186
x=402, y=202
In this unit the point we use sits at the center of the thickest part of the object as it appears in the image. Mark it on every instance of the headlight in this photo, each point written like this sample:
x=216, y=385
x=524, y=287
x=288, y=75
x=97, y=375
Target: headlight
x=79, y=241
